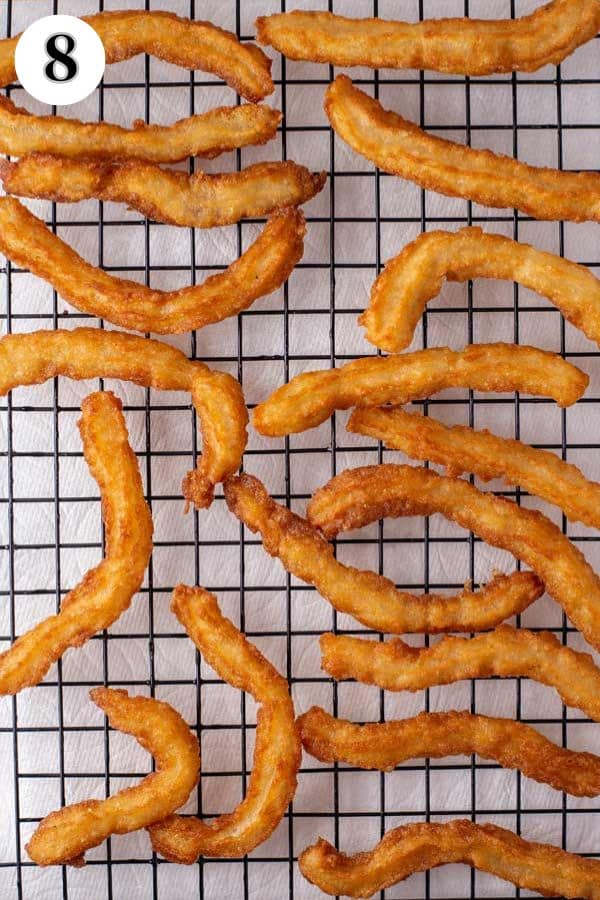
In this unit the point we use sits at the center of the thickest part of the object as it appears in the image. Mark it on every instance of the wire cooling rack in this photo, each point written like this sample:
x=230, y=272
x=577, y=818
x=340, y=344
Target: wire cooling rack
x=55, y=747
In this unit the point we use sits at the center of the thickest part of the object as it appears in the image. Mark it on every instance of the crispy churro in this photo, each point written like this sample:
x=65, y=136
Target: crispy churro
x=385, y=745
x=310, y=398
x=107, y=590
x=264, y=267
x=371, y=598
x=83, y=353
x=401, y=293
x=359, y=496
x=277, y=751
x=425, y=845
x=402, y=148
x=461, y=449
x=165, y=195
x=462, y=46
x=208, y=135
x=65, y=835
x=506, y=652
x=182, y=42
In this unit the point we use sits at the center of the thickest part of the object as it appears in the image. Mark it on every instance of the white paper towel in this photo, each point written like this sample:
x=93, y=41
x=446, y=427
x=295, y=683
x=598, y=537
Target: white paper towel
x=47, y=465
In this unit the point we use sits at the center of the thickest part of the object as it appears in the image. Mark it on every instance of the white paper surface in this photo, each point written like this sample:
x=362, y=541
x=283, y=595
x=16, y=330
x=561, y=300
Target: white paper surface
x=165, y=427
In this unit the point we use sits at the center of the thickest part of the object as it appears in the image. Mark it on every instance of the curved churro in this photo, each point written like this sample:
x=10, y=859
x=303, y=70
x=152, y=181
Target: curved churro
x=363, y=495
x=400, y=294
x=385, y=745
x=460, y=46
x=208, y=134
x=107, y=590
x=461, y=449
x=83, y=353
x=65, y=835
x=423, y=846
x=372, y=599
x=196, y=201
x=183, y=42
x=277, y=751
x=310, y=398
x=506, y=652
x=402, y=148
x=264, y=266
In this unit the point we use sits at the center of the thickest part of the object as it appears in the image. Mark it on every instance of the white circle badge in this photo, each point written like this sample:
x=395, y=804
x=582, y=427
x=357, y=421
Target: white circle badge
x=60, y=60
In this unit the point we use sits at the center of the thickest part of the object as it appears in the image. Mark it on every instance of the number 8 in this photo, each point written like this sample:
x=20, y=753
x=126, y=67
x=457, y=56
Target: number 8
x=56, y=55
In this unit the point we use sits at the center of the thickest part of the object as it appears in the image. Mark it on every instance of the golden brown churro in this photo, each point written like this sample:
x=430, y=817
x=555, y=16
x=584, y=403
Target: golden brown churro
x=384, y=745
x=506, y=652
x=264, y=267
x=461, y=449
x=107, y=590
x=461, y=46
x=310, y=398
x=400, y=147
x=400, y=294
x=372, y=599
x=208, y=134
x=27, y=359
x=197, y=201
x=65, y=835
x=194, y=45
x=425, y=845
x=359, y=496
x=277, y=751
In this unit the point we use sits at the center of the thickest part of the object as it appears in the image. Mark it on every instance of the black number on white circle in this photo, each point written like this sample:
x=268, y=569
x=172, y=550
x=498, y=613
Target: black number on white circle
x=62, y=67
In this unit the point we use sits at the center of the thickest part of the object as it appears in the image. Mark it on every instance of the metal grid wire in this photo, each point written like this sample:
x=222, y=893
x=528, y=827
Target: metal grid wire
x=54, y=746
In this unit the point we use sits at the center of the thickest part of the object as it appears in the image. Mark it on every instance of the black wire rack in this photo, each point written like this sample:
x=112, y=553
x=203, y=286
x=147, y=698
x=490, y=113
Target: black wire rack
x=55, y=747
